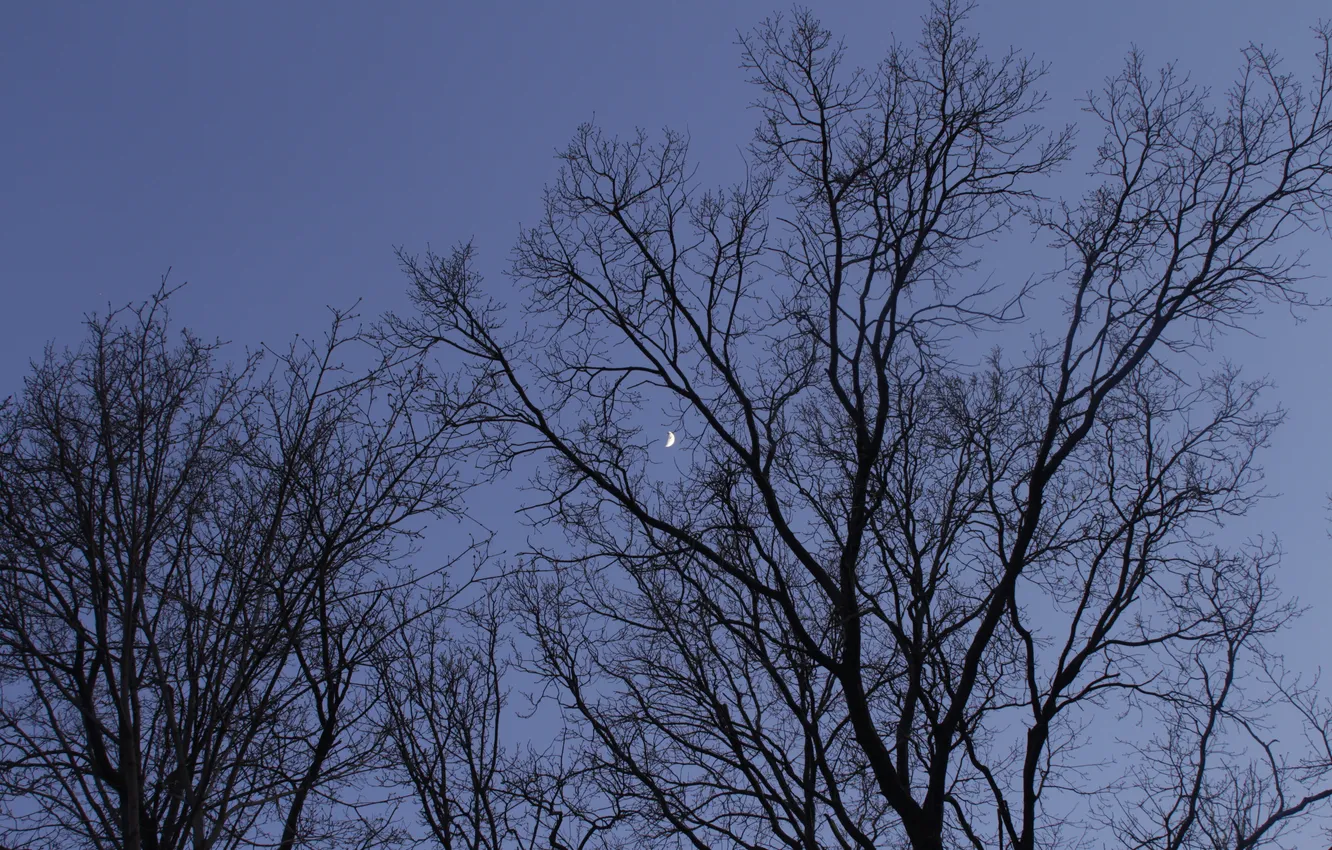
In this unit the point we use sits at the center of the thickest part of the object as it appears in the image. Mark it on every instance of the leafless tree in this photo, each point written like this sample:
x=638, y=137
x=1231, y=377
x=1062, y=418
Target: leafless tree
x=197, y=563
x=445, y=686
x=443, y=698
x=889, y=595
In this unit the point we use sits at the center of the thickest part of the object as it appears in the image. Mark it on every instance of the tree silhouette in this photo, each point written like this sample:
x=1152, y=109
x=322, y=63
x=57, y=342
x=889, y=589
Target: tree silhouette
x=197, y=564
x=890, y=597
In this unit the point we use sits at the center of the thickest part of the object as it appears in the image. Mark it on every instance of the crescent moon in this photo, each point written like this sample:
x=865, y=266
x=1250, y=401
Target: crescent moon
x=670, y=439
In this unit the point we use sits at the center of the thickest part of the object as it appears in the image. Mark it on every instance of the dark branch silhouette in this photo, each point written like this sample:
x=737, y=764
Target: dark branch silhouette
x=889, y=598
x=199, y=563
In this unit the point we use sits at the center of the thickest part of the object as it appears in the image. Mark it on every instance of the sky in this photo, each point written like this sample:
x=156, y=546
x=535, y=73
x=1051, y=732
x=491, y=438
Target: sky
x=273, y=154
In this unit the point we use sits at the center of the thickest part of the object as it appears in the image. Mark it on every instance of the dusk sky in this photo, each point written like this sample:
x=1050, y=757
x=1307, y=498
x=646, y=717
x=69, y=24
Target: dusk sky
x=273, y=154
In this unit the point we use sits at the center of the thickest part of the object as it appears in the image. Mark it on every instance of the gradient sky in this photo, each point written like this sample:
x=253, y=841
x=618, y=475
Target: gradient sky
x=272, y=154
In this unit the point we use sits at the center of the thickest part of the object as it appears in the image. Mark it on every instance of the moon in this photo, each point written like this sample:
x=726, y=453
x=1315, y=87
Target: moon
x=670, y=439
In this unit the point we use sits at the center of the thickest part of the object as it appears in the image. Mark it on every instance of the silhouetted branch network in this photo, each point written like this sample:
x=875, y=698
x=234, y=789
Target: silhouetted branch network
x=889, y=598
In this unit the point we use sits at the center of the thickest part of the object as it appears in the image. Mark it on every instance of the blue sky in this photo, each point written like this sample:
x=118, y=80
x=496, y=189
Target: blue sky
x=272, y=154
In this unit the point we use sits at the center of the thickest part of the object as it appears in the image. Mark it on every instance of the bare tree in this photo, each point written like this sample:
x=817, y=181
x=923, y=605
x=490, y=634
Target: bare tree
x=445, y=685
x=443, y=699
x=196, y=564
x=888, y=597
